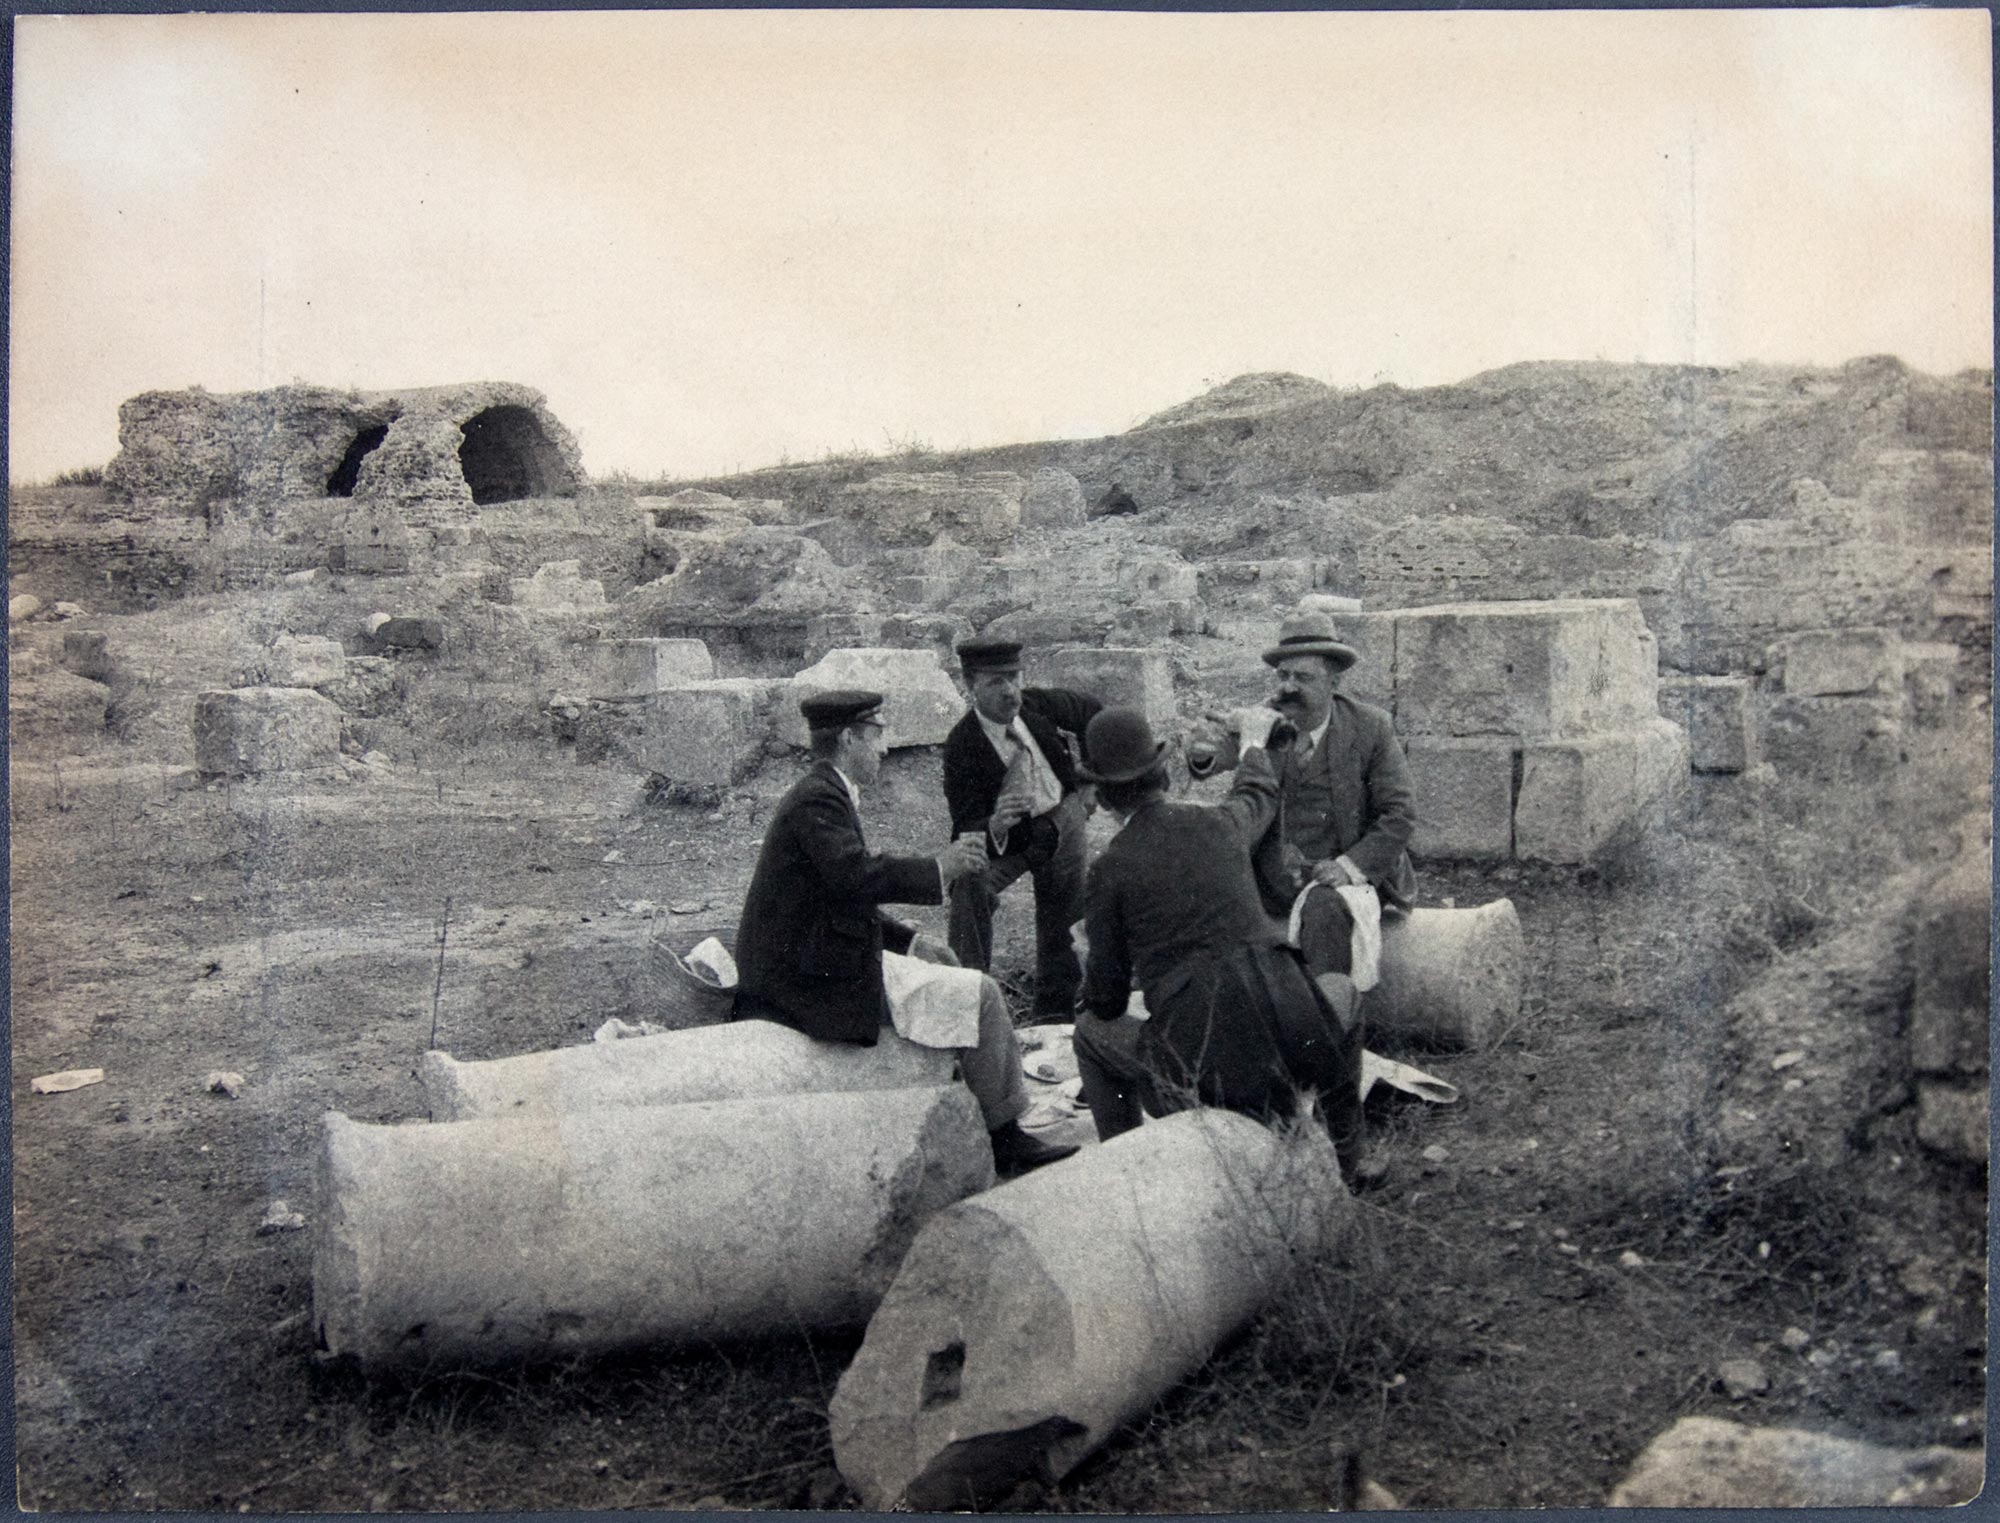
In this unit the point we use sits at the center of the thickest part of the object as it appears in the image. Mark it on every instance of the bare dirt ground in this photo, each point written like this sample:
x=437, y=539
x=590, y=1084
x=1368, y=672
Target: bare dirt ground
x=1554, y=1272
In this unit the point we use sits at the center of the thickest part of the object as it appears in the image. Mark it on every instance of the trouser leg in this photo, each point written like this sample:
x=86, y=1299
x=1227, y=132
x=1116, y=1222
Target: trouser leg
x=1058, y=907
x=991, y=1067
x=1326, y=934
x=1116, y=1082
x=1341, y=1097
x=973, y=898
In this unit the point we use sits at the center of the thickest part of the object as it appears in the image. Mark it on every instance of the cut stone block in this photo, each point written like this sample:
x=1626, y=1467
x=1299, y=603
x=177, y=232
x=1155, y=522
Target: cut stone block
x=1465, y=796
x=920, y=703
x=1822, y=663
x=638, y=668
x=1327, y=602
x=558, y=586
x=738, y=1061
x=709, y=732
x=1450, y=977
x=1951, y=954
x=842, y=631
x=1709, y=1462
x=54, y=704
x=1028, y=1325
x=410, y=634
x=246, y=731
x=1715, y=711
x=87, y=653
x=1158, y=581
x=914, y=508
x=1372, y=678
x=367, y=687
x=1535, y=669
x=1954, y=1119
x=1053, y=500
x=1113, y=674
x=1579, y=795
x=561, y=1233
x=304, y=661
x=1930, y=680
x=1833, y=740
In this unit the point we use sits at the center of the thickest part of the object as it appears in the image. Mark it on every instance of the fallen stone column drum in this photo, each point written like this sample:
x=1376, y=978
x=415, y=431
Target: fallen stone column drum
x=1450, y=977
x=1027, y=1325
x=564, y=1232
x=738, y=1060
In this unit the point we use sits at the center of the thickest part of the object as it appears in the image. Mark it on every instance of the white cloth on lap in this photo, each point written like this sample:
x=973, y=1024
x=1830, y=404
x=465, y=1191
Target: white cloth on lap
x=930, y=1003
x=1364, y=908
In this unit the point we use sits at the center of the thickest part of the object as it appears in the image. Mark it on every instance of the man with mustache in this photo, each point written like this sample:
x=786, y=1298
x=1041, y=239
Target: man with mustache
x=1346, y=808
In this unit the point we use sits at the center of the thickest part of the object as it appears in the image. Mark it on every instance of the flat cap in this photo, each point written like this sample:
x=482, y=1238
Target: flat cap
x=839, y=707
x=989, y=655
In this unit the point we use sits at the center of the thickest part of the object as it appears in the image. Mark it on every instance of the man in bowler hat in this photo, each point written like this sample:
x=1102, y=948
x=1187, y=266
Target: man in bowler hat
x=1010, y=781
x=810, y=944
x=1233, y=1018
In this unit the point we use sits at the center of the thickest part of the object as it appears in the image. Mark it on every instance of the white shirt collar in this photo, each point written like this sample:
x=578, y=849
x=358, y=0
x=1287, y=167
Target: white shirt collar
x=1315, y=737
x=853, y=793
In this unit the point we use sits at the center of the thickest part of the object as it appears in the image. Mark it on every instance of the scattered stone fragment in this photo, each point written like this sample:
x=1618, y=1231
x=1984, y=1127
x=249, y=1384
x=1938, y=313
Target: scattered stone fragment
x=222, y=1081
x=68, y=611
x=1742, y=1378
x=1785, y=1060
x=1437, y=1152
x=1710, y=1462
x=1631, y=1260
x=411, y=634
x=280, y=1217
x=25, y=606
x=1794, y=1338
x=69, y=1079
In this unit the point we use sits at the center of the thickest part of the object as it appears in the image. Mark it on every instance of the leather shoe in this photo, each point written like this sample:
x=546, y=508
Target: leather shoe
x=1016, y=1151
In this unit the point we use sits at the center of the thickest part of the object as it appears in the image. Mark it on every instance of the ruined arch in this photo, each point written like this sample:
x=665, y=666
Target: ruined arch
x=506, y=455
x=341, y=482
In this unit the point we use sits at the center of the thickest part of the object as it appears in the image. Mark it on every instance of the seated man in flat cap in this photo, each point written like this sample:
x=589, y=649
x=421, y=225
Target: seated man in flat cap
x=1346, y=808
x=1233, y=1019
x=1010, y=778
x=810, y=947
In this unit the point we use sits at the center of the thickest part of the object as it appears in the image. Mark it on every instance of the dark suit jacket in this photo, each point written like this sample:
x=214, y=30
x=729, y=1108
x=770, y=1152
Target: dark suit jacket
x=974, y=773
x=1360, y=763
x=809, y=948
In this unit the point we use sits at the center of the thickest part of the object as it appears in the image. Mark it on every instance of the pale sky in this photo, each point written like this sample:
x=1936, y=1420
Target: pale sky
x=719, y=239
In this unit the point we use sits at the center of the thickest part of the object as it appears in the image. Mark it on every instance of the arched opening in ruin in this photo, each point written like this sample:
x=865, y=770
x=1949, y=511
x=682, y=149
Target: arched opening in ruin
x=341, y=482
x=506, y=456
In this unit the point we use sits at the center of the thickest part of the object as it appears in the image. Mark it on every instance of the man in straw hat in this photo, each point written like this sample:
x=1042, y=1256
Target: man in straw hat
x=1010, y=781
x=1346, y=808
x=1233, y=1019
x=811, y=943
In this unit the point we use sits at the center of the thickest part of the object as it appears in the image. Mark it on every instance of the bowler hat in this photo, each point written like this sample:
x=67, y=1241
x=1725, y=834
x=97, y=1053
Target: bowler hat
x=989, y=655
x=1118, y=746
x=840, y=707
x=1310, y=633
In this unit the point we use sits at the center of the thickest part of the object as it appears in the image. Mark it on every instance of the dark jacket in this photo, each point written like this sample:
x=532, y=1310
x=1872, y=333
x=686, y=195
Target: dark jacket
x=1350, y=796
x=1172, y=905
x=974, y=773
x=809, y=948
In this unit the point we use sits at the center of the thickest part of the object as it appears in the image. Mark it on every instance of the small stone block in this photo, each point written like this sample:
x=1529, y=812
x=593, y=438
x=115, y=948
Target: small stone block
x=1053, y=500
x=556, y=587
x=1465, y=797
x=708, y=732
x=1821, y=663
x=920, y=702
x=411, y=634
x=1576, y=666
x=637, y=668
x=1951, y=1001
x=1159, y=581
x=1833, y=740
x=1954, y=1119
x=1113, y=674
x=244, y=732
x=86, y=653
x=305, y=661
x=1715, y=711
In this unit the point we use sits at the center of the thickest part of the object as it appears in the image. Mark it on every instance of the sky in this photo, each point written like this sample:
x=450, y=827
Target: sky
x=723, y=239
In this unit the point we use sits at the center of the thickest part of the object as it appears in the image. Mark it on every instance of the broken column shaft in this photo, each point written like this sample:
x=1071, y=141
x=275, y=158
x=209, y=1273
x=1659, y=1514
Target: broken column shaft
x=1450, y=977
x=1027, y=1325
x=737, y=1060
x=563, y=1232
